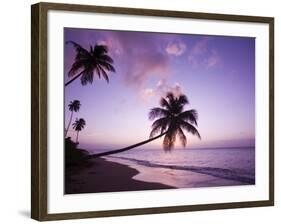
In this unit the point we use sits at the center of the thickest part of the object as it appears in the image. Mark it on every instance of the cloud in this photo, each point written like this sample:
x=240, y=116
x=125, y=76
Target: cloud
x=213, y=59
x=202, y=55
x=177, y=89
x=139, y=61
x=113, y=46
x=142, y=66
x=146, y=94
x=176, y=48
x=192, y=60
x=163, y=87
x=201, y=46
x=160, y=90
x=140, y=55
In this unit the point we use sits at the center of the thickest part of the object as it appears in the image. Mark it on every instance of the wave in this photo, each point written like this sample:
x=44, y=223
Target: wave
x=212, y=171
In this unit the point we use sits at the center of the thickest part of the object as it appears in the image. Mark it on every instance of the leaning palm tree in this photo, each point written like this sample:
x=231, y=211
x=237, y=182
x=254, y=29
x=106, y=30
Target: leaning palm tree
x=96, y=60
x=78, y=125
x=171, y=122
x=73, y=106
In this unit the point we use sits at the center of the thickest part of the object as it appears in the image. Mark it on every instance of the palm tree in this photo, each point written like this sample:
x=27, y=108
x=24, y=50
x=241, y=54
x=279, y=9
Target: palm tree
x=73, y=106
x=173, y=120
x=96, y=60
x=78, y=125
x=171, y=123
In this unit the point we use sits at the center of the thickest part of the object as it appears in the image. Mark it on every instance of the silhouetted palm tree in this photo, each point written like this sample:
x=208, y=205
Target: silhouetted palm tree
x=172, y=122
x=78, y=125
x=96, y=60
x=73, y=106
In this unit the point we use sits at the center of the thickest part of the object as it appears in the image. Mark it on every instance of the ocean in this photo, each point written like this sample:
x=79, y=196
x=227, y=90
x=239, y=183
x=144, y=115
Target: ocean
x=185, y=168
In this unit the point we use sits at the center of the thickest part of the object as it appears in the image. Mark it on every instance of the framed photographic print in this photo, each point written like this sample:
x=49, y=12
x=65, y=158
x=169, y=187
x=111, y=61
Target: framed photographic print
x=138, y=111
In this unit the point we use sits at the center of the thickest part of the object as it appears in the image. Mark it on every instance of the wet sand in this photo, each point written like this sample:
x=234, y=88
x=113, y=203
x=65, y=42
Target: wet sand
x=99, y=175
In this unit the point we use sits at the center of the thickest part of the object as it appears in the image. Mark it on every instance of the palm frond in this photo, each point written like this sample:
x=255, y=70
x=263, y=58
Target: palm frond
x=104, y=74
x=79, y=49
x=190, y=128
x=100, y=49
x=182, y=100
x=87, y=76
x=165, y=103
x=189, y=116
x=160, y=125
x=98, y=71
x=75, y=67
x=155, y=131
x=182, y=137
x=106, y=58
x=107, y=66
x=158, y=112
x=170, y=96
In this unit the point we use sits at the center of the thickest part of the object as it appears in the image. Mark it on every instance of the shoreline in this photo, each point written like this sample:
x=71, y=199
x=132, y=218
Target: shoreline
x=99, y=175
x=194, y=176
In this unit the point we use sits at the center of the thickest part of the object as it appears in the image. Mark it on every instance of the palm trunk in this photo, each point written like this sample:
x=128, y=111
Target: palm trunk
x=69, y=124
x=126, y=148
x=70, y=81
x=77, y=136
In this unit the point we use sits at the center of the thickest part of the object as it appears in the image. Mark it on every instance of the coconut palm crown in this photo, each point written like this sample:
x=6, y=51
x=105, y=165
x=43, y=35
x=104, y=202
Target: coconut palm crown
x=93, y=61
x=73, y=106
x=78, y=125
x=173, y=120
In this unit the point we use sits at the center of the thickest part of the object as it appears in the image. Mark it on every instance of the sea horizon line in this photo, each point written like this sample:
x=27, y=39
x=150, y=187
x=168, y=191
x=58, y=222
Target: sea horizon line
x=201, y=148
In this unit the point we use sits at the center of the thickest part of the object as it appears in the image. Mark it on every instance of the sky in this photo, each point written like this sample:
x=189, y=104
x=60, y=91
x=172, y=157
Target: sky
x=216, y=73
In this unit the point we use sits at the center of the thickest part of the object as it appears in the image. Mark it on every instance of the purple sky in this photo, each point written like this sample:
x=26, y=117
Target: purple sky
x=216, y=73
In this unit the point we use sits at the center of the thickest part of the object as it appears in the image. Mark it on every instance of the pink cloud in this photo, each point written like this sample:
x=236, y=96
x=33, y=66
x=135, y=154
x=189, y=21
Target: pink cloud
x=202, y=55
x=146, y=94
x=192, y=60
x=113, y=46
x=200, y=47
x=142, y=57
x=160, y=90
x=143, y=66
x=163, y=87
x=176, y=48
x=213, y=59
x=177, y=89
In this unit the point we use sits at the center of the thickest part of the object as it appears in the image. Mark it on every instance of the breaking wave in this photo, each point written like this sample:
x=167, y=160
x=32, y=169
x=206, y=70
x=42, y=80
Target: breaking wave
x=212, y=171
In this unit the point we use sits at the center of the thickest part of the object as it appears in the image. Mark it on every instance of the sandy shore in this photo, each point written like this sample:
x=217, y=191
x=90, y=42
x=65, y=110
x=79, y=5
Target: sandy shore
x=99, y=175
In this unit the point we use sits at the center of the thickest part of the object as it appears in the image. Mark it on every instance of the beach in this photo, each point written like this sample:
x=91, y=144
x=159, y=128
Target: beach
x=153, y=169
x=99, y=175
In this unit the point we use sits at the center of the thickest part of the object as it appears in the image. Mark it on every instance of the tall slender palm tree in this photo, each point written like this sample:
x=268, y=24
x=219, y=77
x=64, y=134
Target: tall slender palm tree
x=171, y=123
x=96, y=60
x=78, y=125
x=73, y=106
